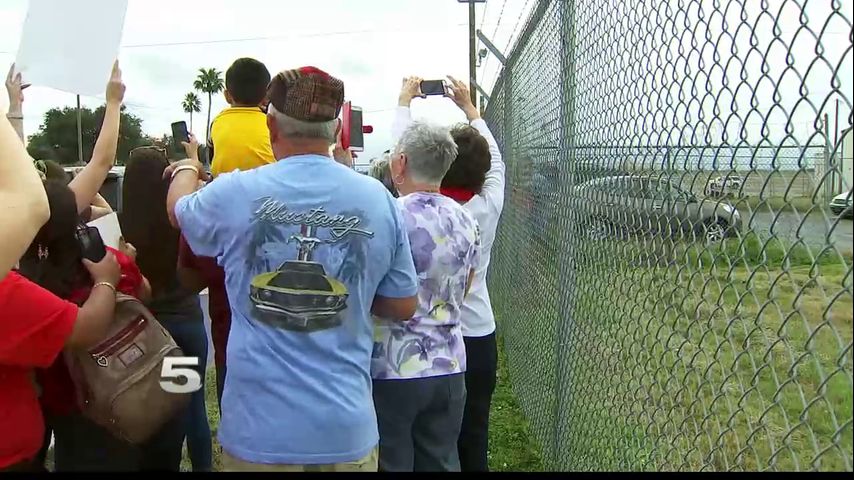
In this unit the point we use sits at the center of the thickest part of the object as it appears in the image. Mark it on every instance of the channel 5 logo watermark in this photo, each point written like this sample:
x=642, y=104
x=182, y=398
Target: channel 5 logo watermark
x=178, y=377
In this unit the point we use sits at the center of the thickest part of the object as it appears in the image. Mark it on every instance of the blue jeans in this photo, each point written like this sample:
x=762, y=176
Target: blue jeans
x=190, y=335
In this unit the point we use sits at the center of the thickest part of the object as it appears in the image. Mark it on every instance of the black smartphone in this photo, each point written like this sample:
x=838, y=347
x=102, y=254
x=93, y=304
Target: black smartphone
x=180, y=134
x=433, y=87
x=90, y=243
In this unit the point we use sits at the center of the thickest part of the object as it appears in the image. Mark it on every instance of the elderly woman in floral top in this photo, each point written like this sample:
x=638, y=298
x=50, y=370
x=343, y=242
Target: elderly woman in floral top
x=418, y=366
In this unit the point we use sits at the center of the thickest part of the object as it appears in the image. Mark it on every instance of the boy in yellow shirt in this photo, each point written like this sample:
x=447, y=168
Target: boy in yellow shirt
x=239, y=138
x=242, y=142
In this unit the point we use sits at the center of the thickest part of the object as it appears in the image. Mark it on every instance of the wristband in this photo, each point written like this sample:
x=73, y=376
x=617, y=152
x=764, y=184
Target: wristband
x=183, y=168
x=106, y=284
x=14, y=117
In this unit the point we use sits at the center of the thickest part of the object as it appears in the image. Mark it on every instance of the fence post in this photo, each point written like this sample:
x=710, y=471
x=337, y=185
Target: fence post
x=569, y=259
x=509, y=124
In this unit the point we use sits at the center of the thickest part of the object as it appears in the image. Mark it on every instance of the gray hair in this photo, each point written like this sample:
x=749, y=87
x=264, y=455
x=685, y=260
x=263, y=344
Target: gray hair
x=380, y=170
x=293, y=128
x=430, y=150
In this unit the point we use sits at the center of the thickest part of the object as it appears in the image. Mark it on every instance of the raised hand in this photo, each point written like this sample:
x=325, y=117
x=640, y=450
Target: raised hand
x=15, y=88
x=460, y=94
x=191, y=148
x=340, y=154
x=115, y=87
x=410, y=89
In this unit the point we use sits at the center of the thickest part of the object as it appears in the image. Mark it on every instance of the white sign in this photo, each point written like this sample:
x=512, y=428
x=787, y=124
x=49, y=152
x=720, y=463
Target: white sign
x=109, y=228
x=71, y=45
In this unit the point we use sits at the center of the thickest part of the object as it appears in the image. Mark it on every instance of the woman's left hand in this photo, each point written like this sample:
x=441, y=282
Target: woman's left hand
x=15, y=88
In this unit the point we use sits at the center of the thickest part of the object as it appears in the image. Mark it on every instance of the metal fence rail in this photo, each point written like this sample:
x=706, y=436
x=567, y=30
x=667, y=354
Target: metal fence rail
x=672, y=282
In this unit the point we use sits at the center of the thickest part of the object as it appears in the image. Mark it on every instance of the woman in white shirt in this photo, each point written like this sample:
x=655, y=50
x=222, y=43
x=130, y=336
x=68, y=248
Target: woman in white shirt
x=476, y=181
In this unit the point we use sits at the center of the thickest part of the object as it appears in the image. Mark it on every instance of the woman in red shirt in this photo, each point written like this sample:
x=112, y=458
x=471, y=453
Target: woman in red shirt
x=54, y=262
x=35, y=325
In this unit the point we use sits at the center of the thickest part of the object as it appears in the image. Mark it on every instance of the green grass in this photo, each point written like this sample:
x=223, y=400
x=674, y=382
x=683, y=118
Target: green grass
x=750, y=251
x=727, y=357
x=511, y=445
x=776, y=204
x=512, y=448
x=644, y=354
x=213, y=420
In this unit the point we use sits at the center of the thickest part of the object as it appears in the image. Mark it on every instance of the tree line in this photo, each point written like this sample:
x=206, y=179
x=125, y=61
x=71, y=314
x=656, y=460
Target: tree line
x=56, y=138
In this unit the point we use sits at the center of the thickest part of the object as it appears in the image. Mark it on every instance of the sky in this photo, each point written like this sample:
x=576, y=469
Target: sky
x=370, y=44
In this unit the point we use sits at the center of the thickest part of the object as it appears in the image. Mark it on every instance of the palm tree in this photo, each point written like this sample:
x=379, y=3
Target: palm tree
x=209, y=81
x=191, y=105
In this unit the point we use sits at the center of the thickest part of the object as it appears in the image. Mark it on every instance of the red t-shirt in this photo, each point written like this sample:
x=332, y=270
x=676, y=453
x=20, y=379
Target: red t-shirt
x=218, y=307
x=34, y=326
x=58, y=394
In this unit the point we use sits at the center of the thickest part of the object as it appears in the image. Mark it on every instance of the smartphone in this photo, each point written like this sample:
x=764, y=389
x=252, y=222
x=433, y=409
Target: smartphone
x=180, y=134
x=352, y=135
x=357, y=135
x=90, y=243
x=433, y=87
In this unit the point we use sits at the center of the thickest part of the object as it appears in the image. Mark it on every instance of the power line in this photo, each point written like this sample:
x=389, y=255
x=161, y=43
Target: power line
x=506, y=50
x=275, y=37
x=272, y=37
x=485, y=10
x=518, y=20
x=135, y=105
x=500, y=15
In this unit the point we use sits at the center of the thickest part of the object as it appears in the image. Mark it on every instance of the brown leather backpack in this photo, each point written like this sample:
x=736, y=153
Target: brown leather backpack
x=118, y=380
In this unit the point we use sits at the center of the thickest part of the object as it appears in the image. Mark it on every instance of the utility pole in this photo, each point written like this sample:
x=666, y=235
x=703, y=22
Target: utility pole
x=79, y=133
x=472, y=49
x=472, y=54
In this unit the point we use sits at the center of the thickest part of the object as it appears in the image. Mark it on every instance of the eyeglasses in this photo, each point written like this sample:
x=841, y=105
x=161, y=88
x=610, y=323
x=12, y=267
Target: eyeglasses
x=148, y=147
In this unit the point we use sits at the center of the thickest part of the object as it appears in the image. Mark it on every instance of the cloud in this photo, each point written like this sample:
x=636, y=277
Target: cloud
x=369, y=45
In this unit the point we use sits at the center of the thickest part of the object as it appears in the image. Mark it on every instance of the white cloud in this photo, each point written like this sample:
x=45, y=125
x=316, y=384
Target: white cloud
x=371, y=45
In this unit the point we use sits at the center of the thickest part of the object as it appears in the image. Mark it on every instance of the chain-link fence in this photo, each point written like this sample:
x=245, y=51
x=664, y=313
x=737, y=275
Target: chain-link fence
x=672, y=275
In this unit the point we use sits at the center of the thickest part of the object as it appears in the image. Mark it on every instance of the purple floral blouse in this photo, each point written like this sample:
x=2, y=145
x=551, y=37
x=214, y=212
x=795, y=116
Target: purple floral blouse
x=445, y=248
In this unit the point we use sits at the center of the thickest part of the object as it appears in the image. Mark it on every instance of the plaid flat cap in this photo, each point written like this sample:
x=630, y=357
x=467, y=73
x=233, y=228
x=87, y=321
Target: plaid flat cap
x=308, y=94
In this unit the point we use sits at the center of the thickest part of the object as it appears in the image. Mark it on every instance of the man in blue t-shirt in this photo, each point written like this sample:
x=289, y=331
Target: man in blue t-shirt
x=310, y=248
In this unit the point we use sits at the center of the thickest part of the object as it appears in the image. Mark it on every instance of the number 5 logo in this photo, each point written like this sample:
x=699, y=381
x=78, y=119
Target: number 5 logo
x=172, y=369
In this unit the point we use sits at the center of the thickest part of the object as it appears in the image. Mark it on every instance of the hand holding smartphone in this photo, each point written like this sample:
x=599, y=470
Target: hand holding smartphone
x=352, y=128
x=90, y=243
x=180, y=134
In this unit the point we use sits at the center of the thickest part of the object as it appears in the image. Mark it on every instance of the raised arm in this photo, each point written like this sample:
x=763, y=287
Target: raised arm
x=88, y=182
x=185, y=176
x=15, y=88
x=23, y=201
x=493, y=187
x=410, y=89
x=100, y=207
